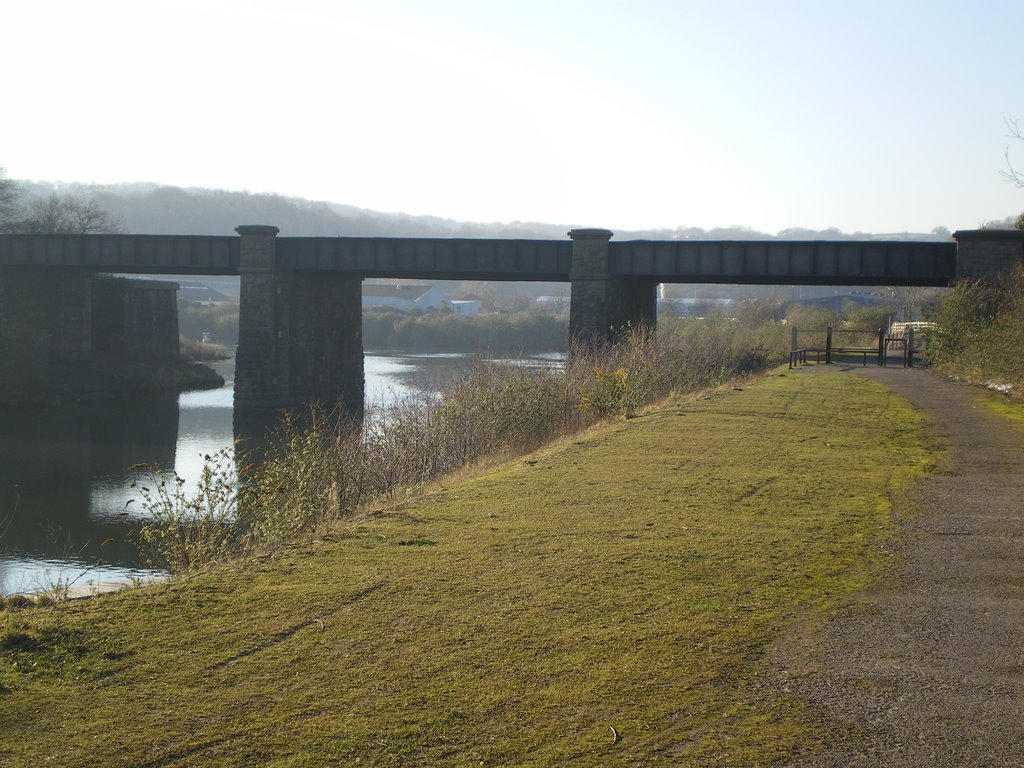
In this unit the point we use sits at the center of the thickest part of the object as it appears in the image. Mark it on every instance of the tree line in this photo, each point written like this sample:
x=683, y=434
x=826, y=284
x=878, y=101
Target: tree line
x=159, y=209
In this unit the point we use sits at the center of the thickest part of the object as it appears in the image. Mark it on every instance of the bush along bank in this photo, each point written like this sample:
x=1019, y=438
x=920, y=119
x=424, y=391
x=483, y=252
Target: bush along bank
x=980, y=333
x=322, y=467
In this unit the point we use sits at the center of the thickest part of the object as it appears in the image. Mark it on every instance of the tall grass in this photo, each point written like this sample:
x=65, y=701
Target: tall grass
x=324, y=467
x=980, y=333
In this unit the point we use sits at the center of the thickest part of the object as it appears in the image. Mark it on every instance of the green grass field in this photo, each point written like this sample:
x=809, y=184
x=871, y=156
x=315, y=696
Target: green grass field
x=609, y=601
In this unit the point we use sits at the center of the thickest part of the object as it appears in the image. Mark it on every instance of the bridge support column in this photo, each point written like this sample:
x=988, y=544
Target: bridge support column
x=299, y=336
x=603, y=305
x=986, y=253
x=52, y=306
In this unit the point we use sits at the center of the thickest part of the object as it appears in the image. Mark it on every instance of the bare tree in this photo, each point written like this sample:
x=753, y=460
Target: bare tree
x=10, y=195
x=44, y=215
x=66, y=214
x=1011, y=174
x=86, y=216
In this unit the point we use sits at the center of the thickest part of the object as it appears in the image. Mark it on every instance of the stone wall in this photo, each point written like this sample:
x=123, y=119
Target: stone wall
x=985, y=253
x=136, y=320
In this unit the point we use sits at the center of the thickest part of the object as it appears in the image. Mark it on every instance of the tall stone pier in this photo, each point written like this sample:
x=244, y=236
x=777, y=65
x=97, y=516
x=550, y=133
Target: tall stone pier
x=603, y=305
x=299, y=336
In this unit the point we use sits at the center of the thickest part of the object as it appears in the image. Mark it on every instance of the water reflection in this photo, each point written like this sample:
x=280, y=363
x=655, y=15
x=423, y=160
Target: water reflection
x=66, y=473
x=64, y=477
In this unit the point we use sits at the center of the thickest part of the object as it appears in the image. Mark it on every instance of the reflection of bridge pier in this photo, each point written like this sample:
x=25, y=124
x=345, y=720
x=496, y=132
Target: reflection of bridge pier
x=64, y=472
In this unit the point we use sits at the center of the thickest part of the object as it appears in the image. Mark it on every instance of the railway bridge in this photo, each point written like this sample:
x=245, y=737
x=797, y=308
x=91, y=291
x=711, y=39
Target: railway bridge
x=300, y=306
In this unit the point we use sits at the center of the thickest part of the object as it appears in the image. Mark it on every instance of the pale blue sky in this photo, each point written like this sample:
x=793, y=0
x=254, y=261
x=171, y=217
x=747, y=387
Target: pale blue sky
x=872, y=116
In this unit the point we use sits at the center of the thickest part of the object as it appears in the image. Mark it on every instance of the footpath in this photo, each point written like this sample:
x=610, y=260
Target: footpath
x=929, y=670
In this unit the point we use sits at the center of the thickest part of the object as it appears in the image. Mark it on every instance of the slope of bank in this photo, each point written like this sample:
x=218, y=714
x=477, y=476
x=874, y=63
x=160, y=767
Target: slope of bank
x=608, y=601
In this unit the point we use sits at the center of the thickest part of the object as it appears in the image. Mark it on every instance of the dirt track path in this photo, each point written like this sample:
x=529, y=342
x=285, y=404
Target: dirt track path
x=931, y=671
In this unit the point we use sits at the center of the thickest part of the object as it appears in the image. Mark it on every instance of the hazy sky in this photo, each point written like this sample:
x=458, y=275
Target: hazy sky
x=879, y=116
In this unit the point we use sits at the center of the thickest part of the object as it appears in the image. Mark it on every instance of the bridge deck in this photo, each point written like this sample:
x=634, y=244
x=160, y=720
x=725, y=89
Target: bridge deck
x=143, y=254
x=686, y=261
x=774, y=262
x=438, y=258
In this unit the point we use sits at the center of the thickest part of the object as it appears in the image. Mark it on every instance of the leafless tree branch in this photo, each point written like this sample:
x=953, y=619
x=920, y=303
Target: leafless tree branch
x=1011, y=174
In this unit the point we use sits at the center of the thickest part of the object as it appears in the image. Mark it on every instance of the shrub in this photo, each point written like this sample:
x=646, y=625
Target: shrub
x=611, y=393
x=188, y=530
x=313, y=471
x=980, y=331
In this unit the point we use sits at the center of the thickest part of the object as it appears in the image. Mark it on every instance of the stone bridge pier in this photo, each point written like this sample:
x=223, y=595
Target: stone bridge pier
x=299, y=336
x=602, y=305
x=51, y=308
x=74, y=314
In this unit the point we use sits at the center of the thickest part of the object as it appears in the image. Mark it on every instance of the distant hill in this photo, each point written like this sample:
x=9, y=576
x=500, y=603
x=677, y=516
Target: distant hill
x=145, y=208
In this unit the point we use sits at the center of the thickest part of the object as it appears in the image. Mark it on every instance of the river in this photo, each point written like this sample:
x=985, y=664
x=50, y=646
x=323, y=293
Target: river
x=68, y=513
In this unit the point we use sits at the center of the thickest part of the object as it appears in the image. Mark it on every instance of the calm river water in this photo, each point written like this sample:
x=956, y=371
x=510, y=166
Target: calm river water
x=65, y=473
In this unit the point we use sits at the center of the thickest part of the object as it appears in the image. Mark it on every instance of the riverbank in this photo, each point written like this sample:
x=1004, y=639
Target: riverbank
x=606, y=601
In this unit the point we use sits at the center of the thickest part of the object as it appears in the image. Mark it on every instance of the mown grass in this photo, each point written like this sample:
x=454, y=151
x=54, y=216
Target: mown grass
x=607, y=601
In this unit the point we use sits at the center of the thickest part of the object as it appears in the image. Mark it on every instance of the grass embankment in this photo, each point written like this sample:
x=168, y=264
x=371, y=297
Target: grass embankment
x=631, y=579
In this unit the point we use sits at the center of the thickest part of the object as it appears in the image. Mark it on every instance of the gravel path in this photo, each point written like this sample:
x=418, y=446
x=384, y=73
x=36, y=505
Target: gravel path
x=930, y=670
